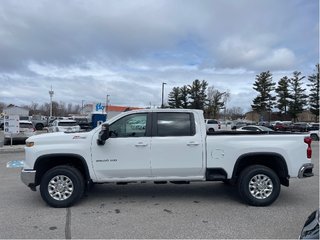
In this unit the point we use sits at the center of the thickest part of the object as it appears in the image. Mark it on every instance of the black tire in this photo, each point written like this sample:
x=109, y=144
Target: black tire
x=314, y=137
x=266, y=192
x=71, y=177
x=6, y=141
x=211, y=130
x=39, y=126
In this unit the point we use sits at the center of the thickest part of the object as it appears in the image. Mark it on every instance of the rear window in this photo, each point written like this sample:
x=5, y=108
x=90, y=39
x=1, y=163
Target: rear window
x=212, y=122
x=67, y=124
x=25, y=125
x=175, y=124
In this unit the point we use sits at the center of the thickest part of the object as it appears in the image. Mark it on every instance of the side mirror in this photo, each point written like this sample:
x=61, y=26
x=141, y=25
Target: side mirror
x=103, y=134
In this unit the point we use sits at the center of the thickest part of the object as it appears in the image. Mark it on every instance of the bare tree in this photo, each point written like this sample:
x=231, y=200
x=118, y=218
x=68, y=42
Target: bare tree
x=234, y=113
x=216, y=100
x=2, y=106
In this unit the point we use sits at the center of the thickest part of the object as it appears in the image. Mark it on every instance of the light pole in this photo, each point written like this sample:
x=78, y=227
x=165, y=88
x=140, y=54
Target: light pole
x=82, y=101
x=107, y=104
x=162, y=106
x=51, y=92
x=226, y=95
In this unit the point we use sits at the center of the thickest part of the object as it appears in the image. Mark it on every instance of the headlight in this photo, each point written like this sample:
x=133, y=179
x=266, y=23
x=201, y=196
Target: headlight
x=29, y=144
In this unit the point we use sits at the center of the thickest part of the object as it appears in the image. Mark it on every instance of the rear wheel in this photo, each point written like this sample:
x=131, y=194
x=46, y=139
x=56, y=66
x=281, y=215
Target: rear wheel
x=62, y=186
x=259, y=185
x=39, y=126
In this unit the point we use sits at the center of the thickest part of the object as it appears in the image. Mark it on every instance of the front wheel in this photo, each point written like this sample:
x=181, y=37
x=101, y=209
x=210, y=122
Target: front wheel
x=62, y=186
x=314, y=137
x=259, y=185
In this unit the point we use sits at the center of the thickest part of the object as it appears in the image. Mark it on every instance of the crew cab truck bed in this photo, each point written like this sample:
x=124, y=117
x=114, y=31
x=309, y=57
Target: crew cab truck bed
x=163, y=145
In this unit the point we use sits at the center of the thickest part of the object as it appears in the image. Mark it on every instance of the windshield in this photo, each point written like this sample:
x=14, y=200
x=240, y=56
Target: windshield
x=265, y=128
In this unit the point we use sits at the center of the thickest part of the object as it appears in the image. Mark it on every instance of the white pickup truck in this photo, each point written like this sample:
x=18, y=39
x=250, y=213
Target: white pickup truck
x=163, y=146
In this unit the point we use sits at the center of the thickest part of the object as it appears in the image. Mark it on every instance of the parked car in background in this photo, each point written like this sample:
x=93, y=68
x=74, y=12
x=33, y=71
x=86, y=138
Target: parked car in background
x=64, y=125
x=254, y=128
x=313, y=126
x=299, y=127
x=212, y=125
x=315, y=135
x=226, y=125
x=26, y=130
x=83, y=122
x=264, y=123
x=310, y=229
x=238, y=124
x=281, y=126
x=1, y=123
x=39, y=122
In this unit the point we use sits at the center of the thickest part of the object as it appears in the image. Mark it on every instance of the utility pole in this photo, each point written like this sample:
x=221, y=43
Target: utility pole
x=107, y=104
x=82, y=101
x=51, y=92
x=162, y=106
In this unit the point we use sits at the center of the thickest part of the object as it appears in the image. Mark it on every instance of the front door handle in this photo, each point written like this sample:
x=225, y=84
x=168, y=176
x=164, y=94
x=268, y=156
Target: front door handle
x=193, y=143
x=141, y=144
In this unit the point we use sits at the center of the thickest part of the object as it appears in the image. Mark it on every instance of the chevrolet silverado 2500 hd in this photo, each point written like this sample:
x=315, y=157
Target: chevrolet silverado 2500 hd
x=163, y=146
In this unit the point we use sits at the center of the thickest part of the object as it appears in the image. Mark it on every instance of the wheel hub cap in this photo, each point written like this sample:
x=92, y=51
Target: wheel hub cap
x=60, y=187
x=260, y=186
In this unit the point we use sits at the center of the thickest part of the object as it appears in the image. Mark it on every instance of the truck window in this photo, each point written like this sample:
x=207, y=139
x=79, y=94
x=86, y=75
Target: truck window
x=133, y=125
x=175, y=124
x=212, y=122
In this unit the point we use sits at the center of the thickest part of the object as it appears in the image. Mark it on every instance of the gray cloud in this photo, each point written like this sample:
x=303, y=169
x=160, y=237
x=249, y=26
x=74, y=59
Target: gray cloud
x=87, y=48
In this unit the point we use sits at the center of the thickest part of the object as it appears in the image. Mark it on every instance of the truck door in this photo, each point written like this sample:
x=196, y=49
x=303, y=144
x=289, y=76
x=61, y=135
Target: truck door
x=177, y=146
x=126, y=154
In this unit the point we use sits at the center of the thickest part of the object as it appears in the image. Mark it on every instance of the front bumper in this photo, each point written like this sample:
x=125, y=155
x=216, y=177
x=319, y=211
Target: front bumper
x=28, y=177
x=305, y=170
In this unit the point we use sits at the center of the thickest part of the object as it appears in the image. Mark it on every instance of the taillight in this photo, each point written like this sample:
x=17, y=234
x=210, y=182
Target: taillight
x=219, y=126
x=308, y=140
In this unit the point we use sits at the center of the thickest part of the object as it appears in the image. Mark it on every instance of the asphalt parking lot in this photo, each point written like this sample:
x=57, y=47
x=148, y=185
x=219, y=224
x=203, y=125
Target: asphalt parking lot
x=198, y=210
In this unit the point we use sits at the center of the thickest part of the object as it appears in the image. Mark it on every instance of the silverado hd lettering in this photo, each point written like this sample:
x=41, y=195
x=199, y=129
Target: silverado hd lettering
x=163, y=145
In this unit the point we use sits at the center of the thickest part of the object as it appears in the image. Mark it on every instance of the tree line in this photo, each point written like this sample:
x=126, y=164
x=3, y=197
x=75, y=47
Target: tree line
x=58, y=108
x=199, y=95
x=289, y=97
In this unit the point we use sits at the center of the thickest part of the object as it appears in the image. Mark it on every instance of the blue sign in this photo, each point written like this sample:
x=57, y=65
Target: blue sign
x=99, y=107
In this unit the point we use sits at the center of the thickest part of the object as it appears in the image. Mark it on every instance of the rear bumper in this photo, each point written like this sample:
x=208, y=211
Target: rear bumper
x=28, y=177
x=305, y=170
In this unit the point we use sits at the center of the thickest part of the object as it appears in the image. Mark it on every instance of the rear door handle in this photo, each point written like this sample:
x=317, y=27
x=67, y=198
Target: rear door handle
x=141, y=144
x=193, y=143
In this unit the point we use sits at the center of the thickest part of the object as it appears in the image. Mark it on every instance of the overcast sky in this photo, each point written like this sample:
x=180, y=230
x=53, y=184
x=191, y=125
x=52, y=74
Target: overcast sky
x=127, y=48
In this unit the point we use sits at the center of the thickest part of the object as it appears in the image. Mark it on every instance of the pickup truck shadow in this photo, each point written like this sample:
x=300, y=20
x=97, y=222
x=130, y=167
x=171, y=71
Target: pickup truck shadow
x=143, y=192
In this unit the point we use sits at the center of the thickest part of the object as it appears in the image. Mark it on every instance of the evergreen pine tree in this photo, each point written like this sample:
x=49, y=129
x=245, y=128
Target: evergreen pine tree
x=198, y=94
x=264, y=86
x=314, y=93
x=184, y=96
x=298, y=98
x=174, y=98
x=283, y=95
